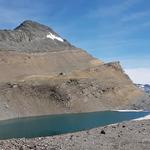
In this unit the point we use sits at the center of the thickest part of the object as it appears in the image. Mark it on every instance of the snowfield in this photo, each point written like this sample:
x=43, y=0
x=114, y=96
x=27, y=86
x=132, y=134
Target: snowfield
x=53, y=37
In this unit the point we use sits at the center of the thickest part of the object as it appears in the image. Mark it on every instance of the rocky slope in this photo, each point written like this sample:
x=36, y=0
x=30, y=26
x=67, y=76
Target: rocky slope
x=41, y=73
x=94, y=89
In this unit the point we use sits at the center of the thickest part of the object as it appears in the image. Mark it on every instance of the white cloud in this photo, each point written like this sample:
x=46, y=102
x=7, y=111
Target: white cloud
x=135, y=16
x=113, y=10
x=139, y=75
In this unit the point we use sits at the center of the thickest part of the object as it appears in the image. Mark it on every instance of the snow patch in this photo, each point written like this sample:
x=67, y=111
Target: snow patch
x=147, y=117
x=128, y=110
x=53, y=37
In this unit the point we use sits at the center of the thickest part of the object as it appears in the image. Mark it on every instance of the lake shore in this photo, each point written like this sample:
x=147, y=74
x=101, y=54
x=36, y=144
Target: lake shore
x=133, y=135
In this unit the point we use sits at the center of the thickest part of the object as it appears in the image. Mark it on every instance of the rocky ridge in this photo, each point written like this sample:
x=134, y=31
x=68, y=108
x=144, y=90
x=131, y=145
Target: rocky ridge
x=31, y=36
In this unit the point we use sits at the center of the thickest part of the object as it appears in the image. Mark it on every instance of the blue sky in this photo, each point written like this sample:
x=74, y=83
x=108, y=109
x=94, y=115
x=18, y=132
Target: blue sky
x=108, y=29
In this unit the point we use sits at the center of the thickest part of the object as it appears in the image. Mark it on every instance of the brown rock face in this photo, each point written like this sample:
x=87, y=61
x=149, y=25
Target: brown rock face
x=40, y=75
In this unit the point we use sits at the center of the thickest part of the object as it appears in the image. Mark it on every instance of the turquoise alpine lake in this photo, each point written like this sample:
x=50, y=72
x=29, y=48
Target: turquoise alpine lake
x=31, y=127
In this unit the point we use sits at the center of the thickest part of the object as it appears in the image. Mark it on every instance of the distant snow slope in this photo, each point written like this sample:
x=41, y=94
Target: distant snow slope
x=144, y=87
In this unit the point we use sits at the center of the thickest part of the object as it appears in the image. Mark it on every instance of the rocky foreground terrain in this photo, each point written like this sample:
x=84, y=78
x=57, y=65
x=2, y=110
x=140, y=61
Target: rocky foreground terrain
x=42, y=73
x=133, y=135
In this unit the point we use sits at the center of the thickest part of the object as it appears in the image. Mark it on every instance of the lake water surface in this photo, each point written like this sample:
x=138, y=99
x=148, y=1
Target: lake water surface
x=57, y=124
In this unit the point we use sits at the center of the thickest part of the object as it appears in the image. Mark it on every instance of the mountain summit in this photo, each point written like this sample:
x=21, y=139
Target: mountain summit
x=33, y=26
x=32, y=37
x=36, y=30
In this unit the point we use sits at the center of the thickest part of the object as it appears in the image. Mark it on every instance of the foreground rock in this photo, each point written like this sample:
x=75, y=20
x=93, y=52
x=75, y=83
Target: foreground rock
x=124, y=136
